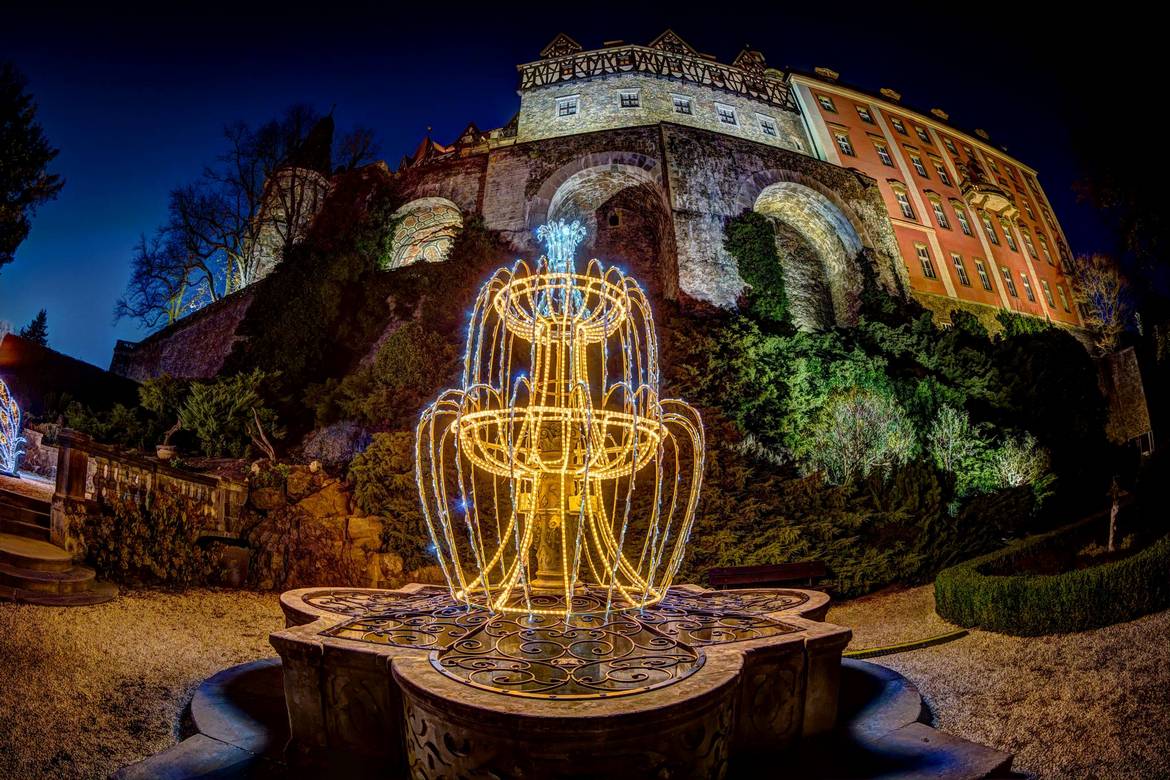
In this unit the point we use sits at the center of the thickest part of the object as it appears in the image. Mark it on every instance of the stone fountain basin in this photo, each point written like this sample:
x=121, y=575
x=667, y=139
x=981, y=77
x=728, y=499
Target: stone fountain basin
x=386, y=705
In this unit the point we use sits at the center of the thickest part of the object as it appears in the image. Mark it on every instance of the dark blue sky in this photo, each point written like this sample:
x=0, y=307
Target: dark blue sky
x=136, y=100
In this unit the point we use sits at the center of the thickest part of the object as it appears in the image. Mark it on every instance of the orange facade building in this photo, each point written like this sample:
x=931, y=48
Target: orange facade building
x=973, y=224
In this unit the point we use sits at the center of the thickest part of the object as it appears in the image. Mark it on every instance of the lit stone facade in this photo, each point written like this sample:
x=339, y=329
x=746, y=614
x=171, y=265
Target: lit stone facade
x=599, y=107
x=656, y=186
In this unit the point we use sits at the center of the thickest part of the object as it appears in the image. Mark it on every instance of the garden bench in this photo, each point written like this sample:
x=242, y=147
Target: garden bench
x=803, y=572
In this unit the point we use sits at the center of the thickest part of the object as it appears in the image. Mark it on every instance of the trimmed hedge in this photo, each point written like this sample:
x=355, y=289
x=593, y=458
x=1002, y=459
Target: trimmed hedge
x=1030, y=605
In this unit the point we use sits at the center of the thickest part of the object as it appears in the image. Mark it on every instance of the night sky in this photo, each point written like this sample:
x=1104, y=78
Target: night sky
x=136, y=100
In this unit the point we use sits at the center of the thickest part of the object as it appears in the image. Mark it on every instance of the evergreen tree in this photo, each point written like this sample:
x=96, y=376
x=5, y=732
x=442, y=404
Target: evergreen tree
x=37, y=331
x=24, y=155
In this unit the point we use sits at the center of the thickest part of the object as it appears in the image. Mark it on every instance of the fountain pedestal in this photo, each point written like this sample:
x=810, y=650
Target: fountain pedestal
x=421, y=686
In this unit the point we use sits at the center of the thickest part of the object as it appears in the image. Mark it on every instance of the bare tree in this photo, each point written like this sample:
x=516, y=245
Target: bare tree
x=1100, y=291
x=231, y=226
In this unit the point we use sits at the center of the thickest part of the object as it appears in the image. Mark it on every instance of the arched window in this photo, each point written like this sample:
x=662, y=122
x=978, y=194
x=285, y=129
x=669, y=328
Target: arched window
x=425, y=232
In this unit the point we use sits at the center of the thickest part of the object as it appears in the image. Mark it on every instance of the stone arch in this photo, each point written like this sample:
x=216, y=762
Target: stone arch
x=425, y=231
x=820, y=241
x=612, y=184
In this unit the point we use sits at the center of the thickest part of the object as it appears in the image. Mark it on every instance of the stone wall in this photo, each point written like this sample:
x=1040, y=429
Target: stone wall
x=679, y=184
x=599, y=108
x=195, y=347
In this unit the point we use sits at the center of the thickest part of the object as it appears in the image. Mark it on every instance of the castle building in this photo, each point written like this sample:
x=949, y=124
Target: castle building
x=656, y=147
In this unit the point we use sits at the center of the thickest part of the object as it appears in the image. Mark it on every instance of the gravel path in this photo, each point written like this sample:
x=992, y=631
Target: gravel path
x=87, y=690
x=1088, y=705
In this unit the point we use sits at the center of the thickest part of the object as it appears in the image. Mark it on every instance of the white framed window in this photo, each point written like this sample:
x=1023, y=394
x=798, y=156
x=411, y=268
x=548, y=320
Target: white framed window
x=970, y=152
x=922, y=134
x=1044, y=248
x=628, y=98
x=898, y=125
x=883, y=154
x=1047, y=293
x=726, y=114
x=950, y=145
x=568, y=105
x=918, y=166
x=1028, y=209
x=924, y=258
x=1008, y=235
x=941, y=169
x=843, y=143
x=940, y=214
x=989, y=229
x=767, y=125
x=1063, y=298
x=960, y=269
x=1027, y=236
x=682, y=104
x=863, y=112
x=1048, y=220
x=991, y=164
x=904, y=203
x=981, y=269
x=1027, y=287
x=1007, y=279
x=827, y=103
x=961, y=216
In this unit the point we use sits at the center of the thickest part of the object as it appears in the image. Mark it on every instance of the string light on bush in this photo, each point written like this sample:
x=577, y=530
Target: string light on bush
x=555, y=469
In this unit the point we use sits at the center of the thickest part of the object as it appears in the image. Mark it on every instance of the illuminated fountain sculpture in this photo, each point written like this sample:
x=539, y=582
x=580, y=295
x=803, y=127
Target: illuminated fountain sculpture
x=10, y=438
x=559, y=490
x=528, y=473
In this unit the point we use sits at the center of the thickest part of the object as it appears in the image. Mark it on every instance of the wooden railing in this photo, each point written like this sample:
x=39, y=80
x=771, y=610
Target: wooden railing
x=92, y=473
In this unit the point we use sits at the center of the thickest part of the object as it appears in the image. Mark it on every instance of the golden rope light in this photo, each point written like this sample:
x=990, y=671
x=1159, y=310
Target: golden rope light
x=570, y=475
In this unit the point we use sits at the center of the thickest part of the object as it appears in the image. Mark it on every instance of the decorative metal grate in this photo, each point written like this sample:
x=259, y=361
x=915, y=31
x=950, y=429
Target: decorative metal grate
x=753, y=601
x=587, y=656
x=347, y=601
x=591, y=654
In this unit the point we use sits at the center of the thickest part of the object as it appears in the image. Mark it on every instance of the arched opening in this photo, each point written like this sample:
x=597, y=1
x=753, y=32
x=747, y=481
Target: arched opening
x=819, y=249
x=628, y=223
x=425, y=231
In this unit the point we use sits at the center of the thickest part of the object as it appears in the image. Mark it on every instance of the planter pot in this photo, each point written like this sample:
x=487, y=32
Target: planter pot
x=267, y=498
x=165, y=451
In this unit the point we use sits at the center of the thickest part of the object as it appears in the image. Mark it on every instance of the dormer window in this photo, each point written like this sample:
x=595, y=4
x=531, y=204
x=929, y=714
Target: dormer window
x=682, y=104
x=726, y=114
x=567, y=106
x=629, y=99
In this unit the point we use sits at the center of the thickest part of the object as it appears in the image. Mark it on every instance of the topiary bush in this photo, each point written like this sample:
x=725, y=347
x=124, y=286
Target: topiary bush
x=972, y=595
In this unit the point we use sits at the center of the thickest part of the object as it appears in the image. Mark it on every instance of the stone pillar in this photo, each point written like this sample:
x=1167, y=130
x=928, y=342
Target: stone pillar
x=823, y=647
x=69, y=493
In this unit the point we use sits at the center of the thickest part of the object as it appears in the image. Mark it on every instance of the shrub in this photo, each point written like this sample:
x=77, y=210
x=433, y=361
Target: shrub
x=384, y=486
x=219, y=413
x=129, y=542
x=861, y=432
x=1029, y=605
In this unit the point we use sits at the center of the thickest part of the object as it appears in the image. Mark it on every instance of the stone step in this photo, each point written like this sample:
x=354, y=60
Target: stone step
x=73, y=580
x=23, y=553
x=25, y=508
x=27, y=530
x=98, y=593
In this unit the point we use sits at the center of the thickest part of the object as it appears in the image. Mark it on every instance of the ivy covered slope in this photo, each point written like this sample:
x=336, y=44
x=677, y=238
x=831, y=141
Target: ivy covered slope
x=888, y=450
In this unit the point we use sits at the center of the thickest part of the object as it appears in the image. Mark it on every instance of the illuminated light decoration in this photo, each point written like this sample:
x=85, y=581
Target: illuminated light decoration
x=10, y=438
x=555, y=480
